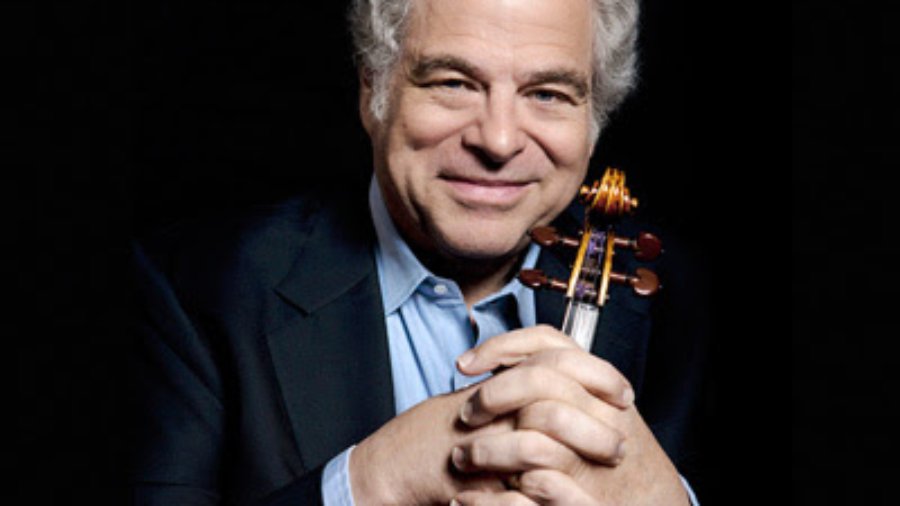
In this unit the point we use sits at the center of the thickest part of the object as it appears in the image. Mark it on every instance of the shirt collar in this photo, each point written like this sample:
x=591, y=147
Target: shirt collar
x=400, y=273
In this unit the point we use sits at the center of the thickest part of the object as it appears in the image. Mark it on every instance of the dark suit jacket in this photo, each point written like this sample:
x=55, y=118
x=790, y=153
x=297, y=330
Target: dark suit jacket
x=261, y=352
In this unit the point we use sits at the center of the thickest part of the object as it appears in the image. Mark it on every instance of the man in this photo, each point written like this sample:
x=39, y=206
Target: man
x=277, y=346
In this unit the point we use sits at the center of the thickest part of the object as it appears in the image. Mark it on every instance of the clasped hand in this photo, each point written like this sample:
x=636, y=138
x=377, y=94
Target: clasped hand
x=553, y=425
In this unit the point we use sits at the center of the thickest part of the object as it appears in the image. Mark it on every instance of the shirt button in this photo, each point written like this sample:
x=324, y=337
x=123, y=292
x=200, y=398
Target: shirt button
x=440, y=289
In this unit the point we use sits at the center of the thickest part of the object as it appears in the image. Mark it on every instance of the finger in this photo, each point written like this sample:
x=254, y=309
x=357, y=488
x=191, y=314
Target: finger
x=513, y=452
x=596, y=375
x=585, y=435
x=511, y=348
x=524, y=385
x=552, y=487
x=479, y=498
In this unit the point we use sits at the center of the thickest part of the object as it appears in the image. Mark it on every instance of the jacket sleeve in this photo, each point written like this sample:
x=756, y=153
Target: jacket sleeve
x=676, y=384
x=182, y=430
x=178, y=418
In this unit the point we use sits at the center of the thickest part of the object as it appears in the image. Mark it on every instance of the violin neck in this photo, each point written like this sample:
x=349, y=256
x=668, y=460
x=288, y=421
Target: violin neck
x=580, y=322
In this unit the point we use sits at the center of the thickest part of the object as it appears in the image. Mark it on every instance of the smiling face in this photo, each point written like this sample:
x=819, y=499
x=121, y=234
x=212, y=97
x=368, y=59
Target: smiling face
x=488, y=128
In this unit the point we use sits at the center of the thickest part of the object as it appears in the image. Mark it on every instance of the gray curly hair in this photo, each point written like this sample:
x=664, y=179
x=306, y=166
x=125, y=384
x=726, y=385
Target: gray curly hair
x=378, y=27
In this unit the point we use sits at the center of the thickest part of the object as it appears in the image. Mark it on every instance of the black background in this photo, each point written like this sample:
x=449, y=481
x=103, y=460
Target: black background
x=845, y=120
x=147, y=112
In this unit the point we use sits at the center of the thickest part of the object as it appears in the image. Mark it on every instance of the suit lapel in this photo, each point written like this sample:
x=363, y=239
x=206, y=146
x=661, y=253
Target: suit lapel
x=332, y=360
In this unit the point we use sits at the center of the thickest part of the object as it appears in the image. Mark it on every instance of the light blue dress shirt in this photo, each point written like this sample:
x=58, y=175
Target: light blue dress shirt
x=428, y=326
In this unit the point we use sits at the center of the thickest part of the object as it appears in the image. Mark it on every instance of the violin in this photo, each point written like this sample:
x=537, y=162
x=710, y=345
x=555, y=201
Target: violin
x=587, y=289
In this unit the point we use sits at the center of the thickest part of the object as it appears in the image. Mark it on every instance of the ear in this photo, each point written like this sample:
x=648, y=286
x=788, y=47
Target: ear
x=365, y=100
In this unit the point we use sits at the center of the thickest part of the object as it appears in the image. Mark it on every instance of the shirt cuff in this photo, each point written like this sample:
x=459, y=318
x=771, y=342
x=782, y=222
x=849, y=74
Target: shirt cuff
x=690, y=492
x=336, y=489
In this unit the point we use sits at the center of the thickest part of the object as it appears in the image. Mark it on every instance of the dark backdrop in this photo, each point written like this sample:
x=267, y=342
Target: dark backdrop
x=148, y=112
x=845, y=154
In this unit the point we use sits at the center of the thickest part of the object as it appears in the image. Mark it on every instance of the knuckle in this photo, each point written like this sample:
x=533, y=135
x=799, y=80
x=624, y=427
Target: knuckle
x=558, y=420
x=614, y=376
x=621, y=381
x=494, y=345
x=487, y=397
x=609, y=442
x=479, y=453
x=547, y=416
x=608, y=370
x=525, y=447
x=537, y=378
x=559, y=359
x=625, y=384
x=536, y=451
x=552, y=336
x=536, y=484
x=534, y=415
x=546, y=329
x=520, y=500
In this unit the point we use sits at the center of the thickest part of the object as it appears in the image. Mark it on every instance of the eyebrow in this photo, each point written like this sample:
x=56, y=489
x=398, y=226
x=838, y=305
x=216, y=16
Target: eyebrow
x=576, y=80
x=422, y=67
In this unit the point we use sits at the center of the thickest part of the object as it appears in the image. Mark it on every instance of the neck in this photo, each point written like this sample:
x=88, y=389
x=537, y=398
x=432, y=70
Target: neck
x=476, y=278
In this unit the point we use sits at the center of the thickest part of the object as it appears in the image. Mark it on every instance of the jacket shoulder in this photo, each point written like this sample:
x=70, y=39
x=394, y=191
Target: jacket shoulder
x=228, y=261
x=220, y=239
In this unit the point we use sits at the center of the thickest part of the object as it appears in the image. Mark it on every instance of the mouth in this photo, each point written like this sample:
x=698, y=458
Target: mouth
x=491, y=193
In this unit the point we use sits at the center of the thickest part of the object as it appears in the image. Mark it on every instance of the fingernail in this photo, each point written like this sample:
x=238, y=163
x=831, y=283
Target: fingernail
x=628, y=396
x=458, y=457
x=465, y=359
x=465, y=413
x=454, y=502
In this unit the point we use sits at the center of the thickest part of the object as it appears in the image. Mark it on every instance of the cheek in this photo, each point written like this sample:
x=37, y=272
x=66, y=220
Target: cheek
x=568, y=149
x=425, y=123
x=566, y=144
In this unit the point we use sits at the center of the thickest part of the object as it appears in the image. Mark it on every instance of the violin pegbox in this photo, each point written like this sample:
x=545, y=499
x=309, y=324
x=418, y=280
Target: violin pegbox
x=605, y=201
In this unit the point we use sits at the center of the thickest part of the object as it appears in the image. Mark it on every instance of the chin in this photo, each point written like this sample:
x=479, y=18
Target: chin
x=480, y=242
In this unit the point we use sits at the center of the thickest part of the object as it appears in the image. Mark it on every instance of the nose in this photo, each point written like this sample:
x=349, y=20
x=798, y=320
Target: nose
x=497, y=135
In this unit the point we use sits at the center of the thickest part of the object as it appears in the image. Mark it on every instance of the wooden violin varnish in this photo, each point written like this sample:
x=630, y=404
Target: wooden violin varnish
x=587, y=289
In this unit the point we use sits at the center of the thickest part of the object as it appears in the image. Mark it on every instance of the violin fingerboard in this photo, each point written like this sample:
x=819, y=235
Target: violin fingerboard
x=580, y=322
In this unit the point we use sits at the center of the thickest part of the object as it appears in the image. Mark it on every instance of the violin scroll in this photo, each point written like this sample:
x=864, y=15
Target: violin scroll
x=608, y=197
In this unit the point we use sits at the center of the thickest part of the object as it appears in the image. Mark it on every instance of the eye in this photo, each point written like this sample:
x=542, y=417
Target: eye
x=452, y=84
x=548, y=96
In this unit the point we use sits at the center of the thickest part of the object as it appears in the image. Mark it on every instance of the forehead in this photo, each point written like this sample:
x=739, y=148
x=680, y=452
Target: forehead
x=503, y=34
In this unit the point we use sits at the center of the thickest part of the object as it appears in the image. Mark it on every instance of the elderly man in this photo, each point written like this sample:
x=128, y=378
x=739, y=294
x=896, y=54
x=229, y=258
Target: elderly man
x=304, y=353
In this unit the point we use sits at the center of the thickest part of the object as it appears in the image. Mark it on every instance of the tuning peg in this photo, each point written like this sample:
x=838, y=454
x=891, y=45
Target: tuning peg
x=548, y=236
x=647, y=246
x=535, y=278
x=645, y=282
